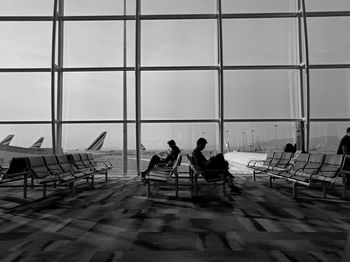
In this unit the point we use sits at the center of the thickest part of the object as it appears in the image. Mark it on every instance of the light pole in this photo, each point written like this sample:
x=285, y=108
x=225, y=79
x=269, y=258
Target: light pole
x=276, y=135
x=227, y=141
x=252, y=139
x=243, y=133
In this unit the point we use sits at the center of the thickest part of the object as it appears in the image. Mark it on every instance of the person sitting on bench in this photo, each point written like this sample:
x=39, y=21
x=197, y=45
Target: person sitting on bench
x=168, y=161
x=216, y=162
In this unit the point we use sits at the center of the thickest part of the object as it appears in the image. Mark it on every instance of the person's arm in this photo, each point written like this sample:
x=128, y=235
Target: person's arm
x=169, y=156
x=346, y=150
x=200, y=161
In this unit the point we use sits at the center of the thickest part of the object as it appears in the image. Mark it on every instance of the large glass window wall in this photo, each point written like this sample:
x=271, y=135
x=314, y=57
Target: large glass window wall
x=146, y=71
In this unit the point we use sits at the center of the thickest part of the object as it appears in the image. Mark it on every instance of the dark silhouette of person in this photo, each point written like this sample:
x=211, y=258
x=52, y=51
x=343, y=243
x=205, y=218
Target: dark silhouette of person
x=344, y=145
x=216, y=162
x=168, y=161
x=289, y=148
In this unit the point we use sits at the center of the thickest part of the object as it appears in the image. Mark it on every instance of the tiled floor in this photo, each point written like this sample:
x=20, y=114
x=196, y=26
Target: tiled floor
x=117, y=222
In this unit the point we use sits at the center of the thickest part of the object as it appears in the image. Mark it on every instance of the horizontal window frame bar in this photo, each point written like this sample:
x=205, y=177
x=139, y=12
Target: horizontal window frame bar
x=95, y=121
x=179, y=68
x=25, y=122
x=176, y=68
x=178, y=121
x=98, y=18
x=25, y=70
x=260, y=15
x=94, y=69
x=327, y=13
x=237, y=120
x=263, y=67
x=176, y=16
x=330, y=66
x=330, y=119
x=144, y=121
x=150, y=121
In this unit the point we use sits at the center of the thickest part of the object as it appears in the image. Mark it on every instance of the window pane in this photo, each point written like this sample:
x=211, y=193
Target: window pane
x=260, y=136
x=325, y=136
x=178, y=6
x=330, y=93
x=155, y=137
x=98, y=7
x=25, y=44
x=258, y=6
x=26, y=96
x=261, y=94
x=326, y=5
x=180, y=42
x=96, y=44
x=26, y=7
x=79, y=137
x=179, y=95
x=93, y=95
x=260, y=41
x=327, y=41
x=24, y=138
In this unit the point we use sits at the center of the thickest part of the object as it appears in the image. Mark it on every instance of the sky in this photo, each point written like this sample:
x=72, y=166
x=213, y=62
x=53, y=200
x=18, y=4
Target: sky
x=173, y=95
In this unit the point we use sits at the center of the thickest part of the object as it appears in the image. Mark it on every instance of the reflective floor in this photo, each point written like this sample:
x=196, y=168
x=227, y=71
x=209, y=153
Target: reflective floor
x=117, y=222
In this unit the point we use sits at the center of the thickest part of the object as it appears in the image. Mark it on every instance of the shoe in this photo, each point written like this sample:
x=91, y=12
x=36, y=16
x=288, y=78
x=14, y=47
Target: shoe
x=235, y=190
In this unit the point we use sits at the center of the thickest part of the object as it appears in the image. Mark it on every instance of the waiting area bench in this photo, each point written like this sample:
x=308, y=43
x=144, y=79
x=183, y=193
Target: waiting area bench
x=53, y=170
x=196, y=173
x=164, y=175
x=308, y=169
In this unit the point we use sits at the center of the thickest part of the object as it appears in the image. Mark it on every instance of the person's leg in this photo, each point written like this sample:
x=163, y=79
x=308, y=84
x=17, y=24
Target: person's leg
x=234, y=188
x=152, y=163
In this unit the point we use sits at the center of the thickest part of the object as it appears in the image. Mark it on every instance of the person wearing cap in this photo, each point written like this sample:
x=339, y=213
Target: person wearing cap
x=169, y=160
x=344, y=145
x=216, y=162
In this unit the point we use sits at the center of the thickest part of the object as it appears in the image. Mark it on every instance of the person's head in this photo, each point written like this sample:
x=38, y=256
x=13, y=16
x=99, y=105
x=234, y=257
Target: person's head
x=201, y=143
x=348, y=131
x=289, y=148
x=171, y=143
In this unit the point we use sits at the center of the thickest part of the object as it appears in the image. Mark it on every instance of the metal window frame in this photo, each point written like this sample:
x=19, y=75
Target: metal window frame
x=59, y=18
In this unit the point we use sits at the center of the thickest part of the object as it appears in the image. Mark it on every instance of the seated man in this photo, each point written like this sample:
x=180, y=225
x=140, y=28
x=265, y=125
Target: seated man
x=217, y=162
x=164, y=162
x=344, y=145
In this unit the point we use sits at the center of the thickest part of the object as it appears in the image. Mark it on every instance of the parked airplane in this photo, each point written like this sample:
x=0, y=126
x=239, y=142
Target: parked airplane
x=97, y=144
x=6, y=141
x=37, y=144
x=8, y=151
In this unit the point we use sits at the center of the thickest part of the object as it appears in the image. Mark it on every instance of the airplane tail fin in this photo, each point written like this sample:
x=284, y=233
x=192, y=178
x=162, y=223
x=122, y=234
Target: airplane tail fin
x=37, y=144
x=142, y=147
x=6, y=141
x=98, y=142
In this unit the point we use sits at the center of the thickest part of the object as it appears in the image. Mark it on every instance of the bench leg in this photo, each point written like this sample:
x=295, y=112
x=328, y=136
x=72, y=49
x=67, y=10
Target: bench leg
x=72, y=188
x=324, y=190
x=190, y=174
x=294, y=190
x=224, y=187
x=106, y=176
x=44, y=190
x=270, y=181
x=25, y=186
x=345, y=183
x=195, y=185
x=92, y=182
x=32, y=183
x=148, y=188
x=254, y=175
x=176, y=185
